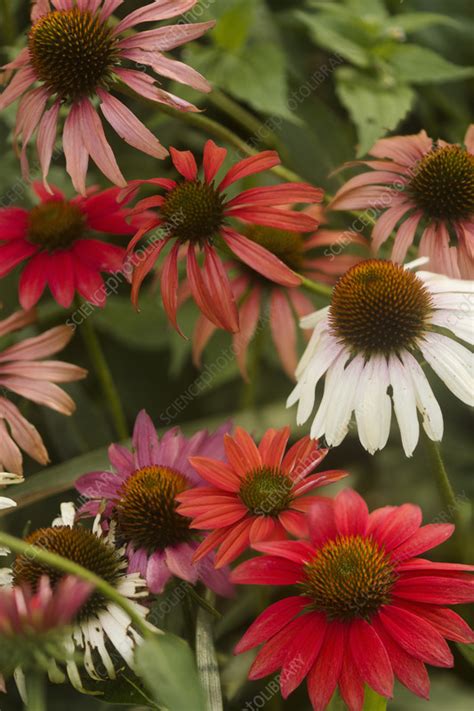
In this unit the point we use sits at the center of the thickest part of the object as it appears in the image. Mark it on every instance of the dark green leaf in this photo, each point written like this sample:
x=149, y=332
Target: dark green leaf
x=325, y=35
x=419, y=65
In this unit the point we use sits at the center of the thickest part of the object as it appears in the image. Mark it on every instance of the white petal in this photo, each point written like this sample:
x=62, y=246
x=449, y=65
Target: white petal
x=456, y=300
x=461, y=324
x=439, y=283
x=426, y=402
x=313, y=344
x=452, y=362
x=67, y=515
x=311, y=320
x=373, y=407
x=6, y=503
x=336, y=407
x=7, y=478
x=404, y=403
x=416, y=263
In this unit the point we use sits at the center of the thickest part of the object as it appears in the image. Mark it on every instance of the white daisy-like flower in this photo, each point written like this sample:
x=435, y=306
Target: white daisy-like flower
x=382, y=321
x=103, y=632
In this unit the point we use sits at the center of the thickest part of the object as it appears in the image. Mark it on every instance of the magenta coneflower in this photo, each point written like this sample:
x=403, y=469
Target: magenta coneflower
x=365, y=608
x=260, y=495
x=140, y=497
x=75, y=54
x=24, y=372
x=316, y=256
x=56, y=241
x=196, y=211
x=424, y=184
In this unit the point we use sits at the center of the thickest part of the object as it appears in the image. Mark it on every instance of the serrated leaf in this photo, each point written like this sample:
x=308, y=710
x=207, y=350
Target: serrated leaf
x=168, y=669
x=413, y=21
x=375, y=109
x=420, y=65
x=232, y=30
x=325, y=35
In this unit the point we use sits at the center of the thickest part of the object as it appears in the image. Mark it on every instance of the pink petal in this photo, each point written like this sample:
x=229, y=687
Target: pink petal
x=179, y=559
x=77, y=157
x=165, y=38
x=178, y=71
x=274, y=217
x=283, y=329
x=47, y=138
x=157, y=573
x=249, y=166
x=213, y=158
x=185, y=163
x=155, y=11
x=23, y=79
x=248, y=317
x=145, y=440
x=97, y=145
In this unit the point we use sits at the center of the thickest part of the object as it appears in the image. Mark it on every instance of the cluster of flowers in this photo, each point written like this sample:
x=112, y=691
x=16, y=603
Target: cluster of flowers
x=187, y=508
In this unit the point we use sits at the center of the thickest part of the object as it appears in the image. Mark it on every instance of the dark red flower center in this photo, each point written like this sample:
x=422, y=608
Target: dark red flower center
x=349, y=577
x=146, y=510
x=287, y=246
x=193, y=211
x=442, y=185
x=266, y=491
x=379, y=307
x=73, y=52
x=78, y=545
x=55, y=225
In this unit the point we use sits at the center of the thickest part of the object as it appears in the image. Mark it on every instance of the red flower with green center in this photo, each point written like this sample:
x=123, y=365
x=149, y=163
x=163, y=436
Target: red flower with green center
x=260, y=495
x=196, y=213
x=365, y=607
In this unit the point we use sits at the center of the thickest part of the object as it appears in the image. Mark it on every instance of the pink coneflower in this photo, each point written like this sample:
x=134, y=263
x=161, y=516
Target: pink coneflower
x=365, y=607
x=141, y=501
x=24, y=372
x=56, y=241
x=316, y=256
x=76, y=54
x=260, y=495
x=424, y=183
x=196, y=211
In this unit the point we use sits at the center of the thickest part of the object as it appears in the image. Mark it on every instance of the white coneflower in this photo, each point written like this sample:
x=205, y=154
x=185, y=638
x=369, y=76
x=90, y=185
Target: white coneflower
x=381, y=318
x=101, y=625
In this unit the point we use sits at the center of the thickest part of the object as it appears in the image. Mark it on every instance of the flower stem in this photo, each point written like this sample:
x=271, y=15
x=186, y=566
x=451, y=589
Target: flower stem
x=206, y=657
x=102, y=370
x=35, y=691
x=443, y=483
x=374, y=702
x=315, y=287
x=53, y=560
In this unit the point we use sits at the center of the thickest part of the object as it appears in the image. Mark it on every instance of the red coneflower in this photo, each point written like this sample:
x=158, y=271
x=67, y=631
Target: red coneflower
x=76, y=54
x=260, y=495
x=365, y=607
x=56, y=240
x=195, y=211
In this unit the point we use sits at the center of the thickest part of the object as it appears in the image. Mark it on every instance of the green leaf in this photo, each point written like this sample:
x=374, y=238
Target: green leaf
x=126, y=690
x=233, y=28
x=375, y=109
x=147, y=330
x=419, y=65
x=168, y=669
x=467, y=650
x=374, y=702
x=413, y=21
x=323, y=33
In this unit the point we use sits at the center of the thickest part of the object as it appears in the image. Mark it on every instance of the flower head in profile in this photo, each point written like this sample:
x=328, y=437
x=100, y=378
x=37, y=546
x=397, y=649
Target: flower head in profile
x=196, y=212
x=33, y=623
x=75, y=55
x=420, y=183
x=259, y=495
x=316, y=256
x=99, y=624
x=57, y=243
x=141, y=501
x=382, y=320
x=24, y=371
x=365, y=608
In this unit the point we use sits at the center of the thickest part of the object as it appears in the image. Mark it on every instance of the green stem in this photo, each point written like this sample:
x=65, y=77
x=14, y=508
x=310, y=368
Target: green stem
x=102, y=370
x=443, y=483
x=35, y=691
x=53, y=560
x=374, y=702
x=206, y=656
x=315, y=287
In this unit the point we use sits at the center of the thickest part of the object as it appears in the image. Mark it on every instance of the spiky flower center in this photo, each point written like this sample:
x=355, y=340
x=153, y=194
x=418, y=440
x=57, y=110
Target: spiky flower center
x=350, y=577
x=443, y=184
x=73, y=52
x=146, y=510
x=266, y=491
x=193, y=211
x=287, y=246
x=79, y=546
x=379, y=307
x=55, y=224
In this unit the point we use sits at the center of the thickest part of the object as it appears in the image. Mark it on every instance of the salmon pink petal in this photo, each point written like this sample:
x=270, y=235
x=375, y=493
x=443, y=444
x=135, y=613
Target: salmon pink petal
x=185, y=163
x=249, y=166
x=220, y=290
x=169, y=68
x=235, y=542
x=213, y=158
x=402, y=149
x=262, y=529
x=274, y=217
x=307, y=454
x=217, y=473
x=322, y=522
x=144, y=268
x=426, y=537
x=283, y=329
x=225, y=515
x=248, y=448
x=260, y=259
x=75, y=151
x=409, y=670
x=154, y=12
x=317, y=480
x=324, y=676
x=436, y=590
x=169, y=286
x=210, y=542
x=416, y=636
x=351, y=513
x=33, y=280
x=23, y=79
x=268, y=570
x=297, y=551
x=396, y=526
x=47, y=138
x=370, y=657
x=144, y=85
x=278, y=195
x=248, y=317
x=97, y=145
x=272, y=446
x=42, y=393
x=270, y=622
x=46, y=344
x=200, y=291
x=14, y=252
x=203, y=332
x=295, y=523
x=273, y=653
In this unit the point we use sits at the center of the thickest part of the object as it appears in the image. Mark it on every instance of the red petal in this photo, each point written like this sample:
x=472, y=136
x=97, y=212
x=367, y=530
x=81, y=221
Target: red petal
x=297, y=551
x=427, y=537
x=273, y=217
x=370, y=657
x=267, y=570
x=302, y=651
x=351, y=686
x=435, y=590
x=250, y=166
x=185, y=163
x=236, y=541
x=323, y=678
x=272, y=446
x=213, y=158
x=351, y=513
x=396, y=526
x=220, y=290
x=270, y=622
x=417, y=637
x=295, y=523
x=322, y=522
x=260, y=259
x=273, y=653
x=217, y=473
x=169, y=286
x=278, y=195
x=248, y=317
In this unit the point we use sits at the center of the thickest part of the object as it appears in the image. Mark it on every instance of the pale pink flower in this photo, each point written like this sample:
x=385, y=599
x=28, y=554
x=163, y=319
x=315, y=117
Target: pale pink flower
x=24, y=372
x=75, y=54
x=420, y=185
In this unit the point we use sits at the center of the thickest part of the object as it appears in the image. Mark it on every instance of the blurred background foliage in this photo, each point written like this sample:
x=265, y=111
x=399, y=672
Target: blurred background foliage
x=325, y=79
